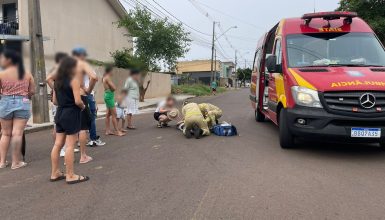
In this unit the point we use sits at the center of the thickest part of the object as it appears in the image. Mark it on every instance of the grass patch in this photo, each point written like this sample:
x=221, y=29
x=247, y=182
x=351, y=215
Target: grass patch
x=195, y=89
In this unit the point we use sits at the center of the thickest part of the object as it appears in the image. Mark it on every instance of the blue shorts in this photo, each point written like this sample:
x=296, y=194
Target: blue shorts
x=15, y=107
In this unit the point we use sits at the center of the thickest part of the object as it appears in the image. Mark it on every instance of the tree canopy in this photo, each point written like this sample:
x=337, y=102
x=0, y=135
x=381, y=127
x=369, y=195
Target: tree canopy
x=244, y=75
x=158, y=41
x=372, y=11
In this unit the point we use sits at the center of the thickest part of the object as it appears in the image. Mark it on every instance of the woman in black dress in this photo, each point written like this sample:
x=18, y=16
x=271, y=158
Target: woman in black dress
x=67, y=119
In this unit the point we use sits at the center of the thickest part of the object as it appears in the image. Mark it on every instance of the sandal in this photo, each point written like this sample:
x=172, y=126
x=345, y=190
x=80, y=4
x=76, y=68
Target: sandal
x=4, y=165
x=79, y=180
x=61, y=177
x=89, y=159
x=159, y=125
x=131, y=128
x=20, y=165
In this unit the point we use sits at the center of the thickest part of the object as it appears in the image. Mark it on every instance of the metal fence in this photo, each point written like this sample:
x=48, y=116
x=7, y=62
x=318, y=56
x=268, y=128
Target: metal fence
x=9, y=26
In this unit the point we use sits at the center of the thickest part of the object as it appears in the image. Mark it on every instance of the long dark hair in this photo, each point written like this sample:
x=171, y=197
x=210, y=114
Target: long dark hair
x=17, y=60
x=65, y=72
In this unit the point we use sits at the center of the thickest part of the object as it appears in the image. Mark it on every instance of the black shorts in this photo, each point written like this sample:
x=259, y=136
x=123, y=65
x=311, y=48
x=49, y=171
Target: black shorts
x=85, y=116
x=157, y=115
x=67, y=120
x=214, y=89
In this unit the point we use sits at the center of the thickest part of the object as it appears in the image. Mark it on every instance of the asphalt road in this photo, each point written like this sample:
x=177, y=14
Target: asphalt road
x=158, y=174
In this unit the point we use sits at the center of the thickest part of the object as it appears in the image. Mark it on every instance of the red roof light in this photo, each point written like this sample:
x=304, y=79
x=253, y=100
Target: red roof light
x=330, y=16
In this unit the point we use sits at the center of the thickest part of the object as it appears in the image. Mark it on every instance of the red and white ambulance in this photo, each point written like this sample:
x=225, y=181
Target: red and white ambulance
x=321, y=76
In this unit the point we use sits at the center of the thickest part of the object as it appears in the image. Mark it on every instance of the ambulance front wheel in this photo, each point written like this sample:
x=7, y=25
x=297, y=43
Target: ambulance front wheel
x=286, y=139
x=259, y=116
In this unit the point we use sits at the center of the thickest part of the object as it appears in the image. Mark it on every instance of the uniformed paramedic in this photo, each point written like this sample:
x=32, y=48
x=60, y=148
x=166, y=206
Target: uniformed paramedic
x=211, y=112
x=194, y=122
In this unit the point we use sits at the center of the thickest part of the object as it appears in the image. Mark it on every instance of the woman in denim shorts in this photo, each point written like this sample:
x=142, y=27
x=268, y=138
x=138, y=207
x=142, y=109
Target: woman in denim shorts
x=17, y=86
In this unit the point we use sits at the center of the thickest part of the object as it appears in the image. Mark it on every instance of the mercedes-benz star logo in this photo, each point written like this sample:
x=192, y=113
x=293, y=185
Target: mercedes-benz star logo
x=368, y=100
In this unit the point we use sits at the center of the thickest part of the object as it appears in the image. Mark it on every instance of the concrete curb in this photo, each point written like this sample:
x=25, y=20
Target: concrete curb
x=50, y=125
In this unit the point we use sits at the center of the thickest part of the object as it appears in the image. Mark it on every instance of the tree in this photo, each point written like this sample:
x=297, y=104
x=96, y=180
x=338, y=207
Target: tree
x=372, y=11
x=244, y=75
x=159, y=43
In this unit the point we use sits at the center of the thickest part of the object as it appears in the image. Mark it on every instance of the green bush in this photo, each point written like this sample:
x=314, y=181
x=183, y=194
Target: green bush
x=195, y=89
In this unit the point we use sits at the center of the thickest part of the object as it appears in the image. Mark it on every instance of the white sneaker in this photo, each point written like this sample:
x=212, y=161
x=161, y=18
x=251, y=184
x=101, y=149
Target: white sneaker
x=90, y=143
x=62, y=152
x=99, y=142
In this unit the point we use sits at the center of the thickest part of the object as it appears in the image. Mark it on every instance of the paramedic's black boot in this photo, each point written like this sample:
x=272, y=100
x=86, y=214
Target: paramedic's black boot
x=197, y=132
x=188, y=134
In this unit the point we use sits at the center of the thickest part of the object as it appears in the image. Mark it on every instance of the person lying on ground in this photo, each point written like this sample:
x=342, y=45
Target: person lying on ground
x=161, y=111
x=109, y=99
x=211, y=112
x=194, y=122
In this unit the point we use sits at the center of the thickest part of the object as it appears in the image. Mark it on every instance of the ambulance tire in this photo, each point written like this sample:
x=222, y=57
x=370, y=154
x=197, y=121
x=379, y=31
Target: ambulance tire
x=259, y=116
x=286, y=139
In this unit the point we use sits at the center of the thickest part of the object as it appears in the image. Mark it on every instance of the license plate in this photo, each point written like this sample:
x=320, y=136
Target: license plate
x=366, y=132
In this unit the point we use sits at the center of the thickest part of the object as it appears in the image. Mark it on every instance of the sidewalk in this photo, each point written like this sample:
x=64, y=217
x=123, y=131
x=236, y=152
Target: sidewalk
x=148, y=103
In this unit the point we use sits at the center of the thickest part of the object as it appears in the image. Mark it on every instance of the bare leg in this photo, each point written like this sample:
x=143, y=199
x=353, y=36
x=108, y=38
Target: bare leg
x=83, y=141
x=123, y=124
x=6, y=130
x=54, y=133
x=108, y=129
x=129, y=121
x=16, y=140
x=69, y=158
x=55, y=155
x=118, y=132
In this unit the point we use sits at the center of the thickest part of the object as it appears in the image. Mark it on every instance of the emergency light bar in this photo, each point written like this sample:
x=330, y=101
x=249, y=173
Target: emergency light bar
x=330, y=16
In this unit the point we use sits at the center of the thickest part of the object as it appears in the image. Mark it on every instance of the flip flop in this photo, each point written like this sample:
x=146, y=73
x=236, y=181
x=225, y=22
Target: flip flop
x=79, y=180
x=4, y=165
x=89, y=159
x=131, y=128
x=20, y=165
x=61, y=177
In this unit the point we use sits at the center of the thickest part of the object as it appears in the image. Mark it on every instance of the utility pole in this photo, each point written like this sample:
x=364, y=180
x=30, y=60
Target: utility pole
x=215, y=65
x=40, y=99
x=212, y=53
x=236, y=72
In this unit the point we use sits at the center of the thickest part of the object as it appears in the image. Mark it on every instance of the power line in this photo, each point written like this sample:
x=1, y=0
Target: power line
x=196, y=39
x=231, y=16
x=206, y=14
x=180, y=20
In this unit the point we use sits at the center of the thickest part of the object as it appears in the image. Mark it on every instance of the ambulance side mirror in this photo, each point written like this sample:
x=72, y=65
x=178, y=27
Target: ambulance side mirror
x=271, y=64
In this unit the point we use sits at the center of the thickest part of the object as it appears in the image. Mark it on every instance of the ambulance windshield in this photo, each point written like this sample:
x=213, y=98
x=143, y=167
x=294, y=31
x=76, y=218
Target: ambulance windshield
x=334, y=49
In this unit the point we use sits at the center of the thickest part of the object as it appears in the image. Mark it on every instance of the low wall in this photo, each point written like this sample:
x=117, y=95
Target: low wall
x=160, y=85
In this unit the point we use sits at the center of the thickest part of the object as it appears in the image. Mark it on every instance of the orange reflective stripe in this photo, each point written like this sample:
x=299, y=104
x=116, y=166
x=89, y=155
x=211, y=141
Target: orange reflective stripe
x=301, y=81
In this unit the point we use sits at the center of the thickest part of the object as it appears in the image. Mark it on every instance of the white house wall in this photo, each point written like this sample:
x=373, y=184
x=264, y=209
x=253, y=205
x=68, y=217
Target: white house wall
x=70, y=23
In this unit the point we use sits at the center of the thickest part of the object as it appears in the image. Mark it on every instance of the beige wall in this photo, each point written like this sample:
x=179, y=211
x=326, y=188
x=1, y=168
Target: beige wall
x=196, y=66
x=71, y=23
x=160, y=85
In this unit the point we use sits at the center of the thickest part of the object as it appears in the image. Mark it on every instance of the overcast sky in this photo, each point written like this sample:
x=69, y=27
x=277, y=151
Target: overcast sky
x=252, y=17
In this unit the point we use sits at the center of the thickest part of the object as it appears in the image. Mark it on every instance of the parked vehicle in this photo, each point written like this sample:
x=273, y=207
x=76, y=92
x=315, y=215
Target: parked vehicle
x=321, y=76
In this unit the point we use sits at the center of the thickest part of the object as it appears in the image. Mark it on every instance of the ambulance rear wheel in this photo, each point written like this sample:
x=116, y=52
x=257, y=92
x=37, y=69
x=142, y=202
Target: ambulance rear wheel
x=259, y=116
x=286, y=139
